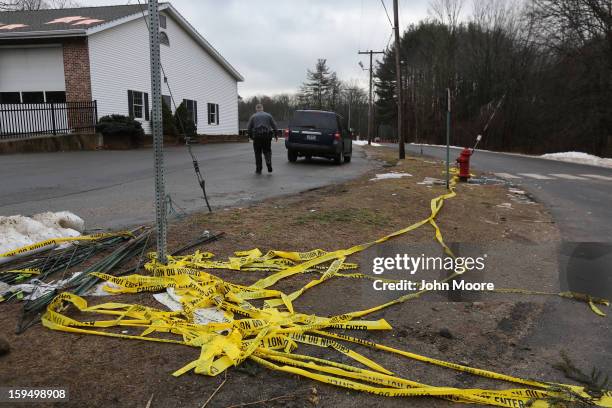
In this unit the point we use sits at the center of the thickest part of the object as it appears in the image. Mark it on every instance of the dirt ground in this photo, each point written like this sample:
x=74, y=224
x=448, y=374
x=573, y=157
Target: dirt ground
x=485, y=332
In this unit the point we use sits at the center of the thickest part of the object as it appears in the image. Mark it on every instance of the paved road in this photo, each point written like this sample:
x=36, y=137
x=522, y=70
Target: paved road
x=578, y=195
x=113, y=189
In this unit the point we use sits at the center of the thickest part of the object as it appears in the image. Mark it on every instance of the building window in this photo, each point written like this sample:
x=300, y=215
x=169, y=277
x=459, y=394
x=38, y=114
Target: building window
x=163, y=39
x=138, y=104
x=10, y=97
x=192, y=110
x=55, y=96
x=213, y=114
x=163, y=23
x=33, y=97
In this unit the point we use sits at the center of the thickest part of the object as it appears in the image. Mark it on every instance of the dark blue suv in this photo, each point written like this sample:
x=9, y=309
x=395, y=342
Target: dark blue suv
x=318, y=133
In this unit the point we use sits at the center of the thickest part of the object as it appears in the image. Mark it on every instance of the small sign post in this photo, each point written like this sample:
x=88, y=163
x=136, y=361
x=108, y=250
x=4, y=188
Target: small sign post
x=448, y=125
x=157, y=131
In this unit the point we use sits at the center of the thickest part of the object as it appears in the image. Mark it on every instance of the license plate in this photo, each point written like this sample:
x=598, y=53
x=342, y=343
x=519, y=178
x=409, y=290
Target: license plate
x=312, y=138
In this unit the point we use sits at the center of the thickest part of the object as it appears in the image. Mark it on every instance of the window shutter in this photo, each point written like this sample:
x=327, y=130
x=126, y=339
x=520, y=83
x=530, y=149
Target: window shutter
x=217, y=111
x=195, y=111
x=146, y=105
x=208, y=112
x=130, y=104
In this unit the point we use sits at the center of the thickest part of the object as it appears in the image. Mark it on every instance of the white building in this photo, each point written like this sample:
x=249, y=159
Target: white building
x=102, y=54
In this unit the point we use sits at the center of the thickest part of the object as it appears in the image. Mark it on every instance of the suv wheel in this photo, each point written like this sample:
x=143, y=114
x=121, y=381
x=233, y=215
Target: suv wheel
x=292, y=156
x=347, y=159
x=339, y=157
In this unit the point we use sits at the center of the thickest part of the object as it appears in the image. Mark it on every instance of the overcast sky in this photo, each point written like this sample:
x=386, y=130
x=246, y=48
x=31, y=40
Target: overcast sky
x=272, y=42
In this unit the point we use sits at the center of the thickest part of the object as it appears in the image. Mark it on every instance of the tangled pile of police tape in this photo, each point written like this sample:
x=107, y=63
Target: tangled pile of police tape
x=269, y=335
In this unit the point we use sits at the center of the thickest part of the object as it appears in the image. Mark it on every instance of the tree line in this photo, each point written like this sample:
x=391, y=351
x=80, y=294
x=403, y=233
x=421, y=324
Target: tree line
x=321, y=90
x=30, y=5
x=531, y=77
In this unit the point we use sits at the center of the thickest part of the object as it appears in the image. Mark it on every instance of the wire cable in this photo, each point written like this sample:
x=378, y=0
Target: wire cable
x=387, y=13
x=196, y=165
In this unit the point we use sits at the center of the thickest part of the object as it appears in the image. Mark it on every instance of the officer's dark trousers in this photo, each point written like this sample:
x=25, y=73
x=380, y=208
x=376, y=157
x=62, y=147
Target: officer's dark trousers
x=262, y=144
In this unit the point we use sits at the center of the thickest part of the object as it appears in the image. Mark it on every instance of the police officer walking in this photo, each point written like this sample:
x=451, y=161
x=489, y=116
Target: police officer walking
x=262, y=128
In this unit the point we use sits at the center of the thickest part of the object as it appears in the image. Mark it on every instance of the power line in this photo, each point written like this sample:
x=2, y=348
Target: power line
x=386, y=12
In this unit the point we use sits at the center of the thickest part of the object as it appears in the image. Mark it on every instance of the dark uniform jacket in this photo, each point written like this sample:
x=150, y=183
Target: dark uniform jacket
x=261, y=123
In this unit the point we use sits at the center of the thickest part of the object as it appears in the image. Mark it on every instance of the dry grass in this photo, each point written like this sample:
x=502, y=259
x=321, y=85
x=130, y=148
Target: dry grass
x=341, y=215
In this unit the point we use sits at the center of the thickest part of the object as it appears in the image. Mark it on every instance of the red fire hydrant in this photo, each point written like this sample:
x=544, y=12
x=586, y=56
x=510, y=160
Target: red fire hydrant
x=464, y=164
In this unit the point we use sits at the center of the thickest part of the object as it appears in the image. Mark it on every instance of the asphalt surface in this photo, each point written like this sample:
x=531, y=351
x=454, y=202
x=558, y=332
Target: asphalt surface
x=580, y=206
x=115, y=189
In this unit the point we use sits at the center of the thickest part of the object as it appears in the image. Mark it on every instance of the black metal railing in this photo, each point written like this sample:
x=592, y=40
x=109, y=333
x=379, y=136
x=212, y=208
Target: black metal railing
x=26, y=120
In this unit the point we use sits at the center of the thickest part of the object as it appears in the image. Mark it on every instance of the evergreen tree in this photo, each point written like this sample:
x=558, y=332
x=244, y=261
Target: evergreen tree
x=321, y=89
x=182, y=116
x=168, y=122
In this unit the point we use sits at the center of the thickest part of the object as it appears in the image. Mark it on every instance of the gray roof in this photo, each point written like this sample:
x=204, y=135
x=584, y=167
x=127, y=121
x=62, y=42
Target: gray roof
x=84, y=21
x=39, y=20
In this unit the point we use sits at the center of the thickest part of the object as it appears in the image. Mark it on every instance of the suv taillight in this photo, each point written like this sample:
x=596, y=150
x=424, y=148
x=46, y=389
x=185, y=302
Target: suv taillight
x=286, y=133
x=338, y=136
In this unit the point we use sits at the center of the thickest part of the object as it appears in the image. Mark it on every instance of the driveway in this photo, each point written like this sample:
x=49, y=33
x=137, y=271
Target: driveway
x=114, y=189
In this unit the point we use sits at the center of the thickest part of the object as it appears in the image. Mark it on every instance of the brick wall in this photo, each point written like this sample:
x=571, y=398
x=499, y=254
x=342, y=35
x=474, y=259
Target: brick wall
x=76, y=70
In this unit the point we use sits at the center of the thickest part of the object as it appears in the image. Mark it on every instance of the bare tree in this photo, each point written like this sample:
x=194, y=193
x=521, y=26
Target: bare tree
x=29, y=5
x=447, y=12
x=573, y=23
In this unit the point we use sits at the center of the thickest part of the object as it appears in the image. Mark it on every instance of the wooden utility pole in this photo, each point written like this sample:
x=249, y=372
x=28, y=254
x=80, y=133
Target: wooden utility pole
x=351, y=91
x=398, y=73
x=370, y=106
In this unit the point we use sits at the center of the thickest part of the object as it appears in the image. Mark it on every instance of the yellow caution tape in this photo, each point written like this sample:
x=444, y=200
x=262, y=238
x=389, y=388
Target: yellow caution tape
x=26, y=271
x=57, y=241
x=270, y=335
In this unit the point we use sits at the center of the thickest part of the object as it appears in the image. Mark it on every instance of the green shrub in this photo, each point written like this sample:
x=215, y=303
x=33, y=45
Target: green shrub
x=182, y=116
x=120, y=127
x=169, y=126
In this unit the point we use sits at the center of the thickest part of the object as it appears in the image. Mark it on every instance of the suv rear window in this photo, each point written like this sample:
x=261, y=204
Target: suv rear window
x=314, y=120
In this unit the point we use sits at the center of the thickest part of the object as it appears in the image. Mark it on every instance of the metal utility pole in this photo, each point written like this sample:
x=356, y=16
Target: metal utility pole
x=157, y=131
x=370, y=106
x=398, y=73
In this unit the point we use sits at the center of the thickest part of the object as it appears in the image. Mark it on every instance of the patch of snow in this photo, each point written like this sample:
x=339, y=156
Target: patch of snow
x=430, y=181
x=392, y=175
x=572, y=157
x=579, y=157
x=17, y=231
x=365, y=142
x=507, y=206
x=434, y=145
